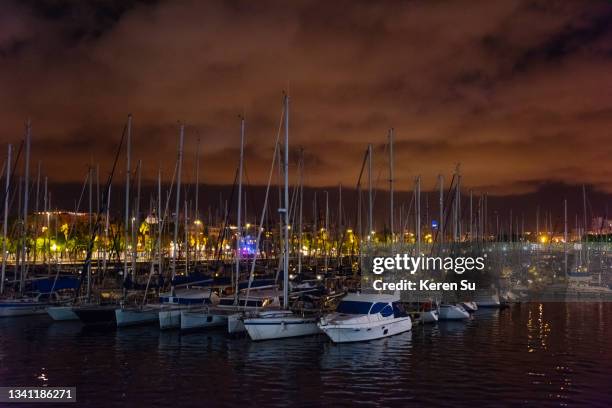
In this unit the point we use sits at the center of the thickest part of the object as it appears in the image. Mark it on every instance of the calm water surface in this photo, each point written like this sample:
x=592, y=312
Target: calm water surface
x=547, y=354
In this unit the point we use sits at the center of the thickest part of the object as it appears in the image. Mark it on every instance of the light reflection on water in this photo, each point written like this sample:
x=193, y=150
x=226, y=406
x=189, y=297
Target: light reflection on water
x=532, y=354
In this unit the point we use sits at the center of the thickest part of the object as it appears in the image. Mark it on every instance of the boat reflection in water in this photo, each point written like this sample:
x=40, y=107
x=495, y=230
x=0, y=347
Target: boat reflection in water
x=531, y=349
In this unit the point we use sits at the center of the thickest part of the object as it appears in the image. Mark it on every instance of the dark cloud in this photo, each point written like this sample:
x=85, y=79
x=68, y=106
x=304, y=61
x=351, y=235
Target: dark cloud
x=517, y=91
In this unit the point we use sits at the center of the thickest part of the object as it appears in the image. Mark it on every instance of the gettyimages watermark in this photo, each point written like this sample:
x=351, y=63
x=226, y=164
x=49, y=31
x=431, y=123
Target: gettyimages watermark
x=511, y=272
x=413, y=264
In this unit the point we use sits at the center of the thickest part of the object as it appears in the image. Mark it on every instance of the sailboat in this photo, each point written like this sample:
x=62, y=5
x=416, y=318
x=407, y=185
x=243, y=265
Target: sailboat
x=31, y=304
x=35, y=301
x=284, y=323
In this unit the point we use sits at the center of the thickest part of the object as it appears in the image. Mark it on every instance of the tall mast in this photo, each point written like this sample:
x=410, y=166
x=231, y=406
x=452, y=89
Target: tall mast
x=4, y=225
x=106, y=227
x=299, y=269
x=47, y=238
x=315, y=227
x=370, y=225
x=441, y=222
x=326, y=230
x=197, y=208
x=127, y=195
x=90, y=196
x=197, y=181
x=26, y=194
x=391, y=183
x=471, y=217
x=186, y=228
x=136, y=220
x=484, y=218
x=584, y=209
x=417, y=212
x=340, y=225
x=286, y=165
x=159, y=224
x=37, y=209
x=97, y=188
x=239, y=213
x=456, y=226
x=88, y=265
x=565, y=221
x=178, y=198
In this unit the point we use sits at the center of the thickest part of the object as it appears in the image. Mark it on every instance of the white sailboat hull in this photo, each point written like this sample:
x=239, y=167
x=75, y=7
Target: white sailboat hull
x=134, y=317
x=235, y=323
x=14, y=309
x=170, y=318
x=452, y=312
x=266, y=328
x=201, y=319
x=346, y=333
x=62, y=313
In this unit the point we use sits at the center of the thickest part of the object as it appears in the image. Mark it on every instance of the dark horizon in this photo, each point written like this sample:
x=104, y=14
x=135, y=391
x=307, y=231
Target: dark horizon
x=548, y=197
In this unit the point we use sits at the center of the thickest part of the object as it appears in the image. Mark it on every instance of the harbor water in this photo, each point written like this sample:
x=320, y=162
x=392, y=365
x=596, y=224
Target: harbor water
x=548, y=354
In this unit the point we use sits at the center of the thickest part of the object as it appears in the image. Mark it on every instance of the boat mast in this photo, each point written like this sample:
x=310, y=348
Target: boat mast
x=159, y=225
x=565, y=221
x=370, y=225
x=186, y=228
x=456, y=227
x=417, y=213
x=299, y=269
x=197, y=209
x=178, y=198
x=197, y=179
x=37, y=210
x=4, y=225
x=584, y=209
x=286, y=209
x=26, y=194
x=136, y=220
x=47, y=236
x=326, y=230
x=127, y=196
x=90, y=182
x=391, y=182
x=315, y=231
x=106, y=227
x=239, y=211
x=471, y=217
x=441, y=222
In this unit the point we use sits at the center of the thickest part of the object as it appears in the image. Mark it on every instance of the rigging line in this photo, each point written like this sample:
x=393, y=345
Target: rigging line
x=445, y=215
x=358, y=186
x=12, y=179
x=78, y=207
x=265, y=205
x=381, y=167
x=101, y=210
x=222, y=231
x=409, y=213
x=251, y=188
x=166, y=208
x=161, y=224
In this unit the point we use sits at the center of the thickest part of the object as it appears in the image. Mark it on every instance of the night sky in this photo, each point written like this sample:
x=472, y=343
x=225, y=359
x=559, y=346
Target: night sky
x=518, y=92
